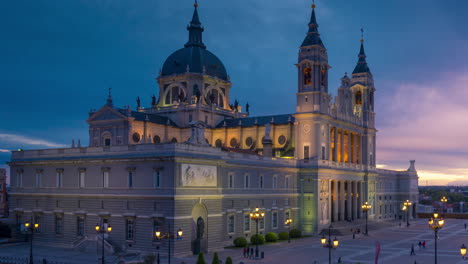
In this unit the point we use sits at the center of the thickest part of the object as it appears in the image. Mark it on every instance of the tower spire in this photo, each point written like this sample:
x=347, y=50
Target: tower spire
x=109, y=98
x=362, y=66
x=195, y=30
x=313, y=37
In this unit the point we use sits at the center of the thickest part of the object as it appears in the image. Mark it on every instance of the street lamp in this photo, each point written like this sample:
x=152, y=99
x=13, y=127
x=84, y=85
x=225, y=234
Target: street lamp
x=436, y=223
x=366, y=207
x=103, y=229
x=330, y=245
x=444, y=202
x=288, y=223
x=463, y=251
x=256, y=215
x=168, y=236
x=32, y=228
x=407, y=204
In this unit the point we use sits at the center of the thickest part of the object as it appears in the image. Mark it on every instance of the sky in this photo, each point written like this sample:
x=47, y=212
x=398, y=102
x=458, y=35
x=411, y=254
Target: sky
x=58, y=58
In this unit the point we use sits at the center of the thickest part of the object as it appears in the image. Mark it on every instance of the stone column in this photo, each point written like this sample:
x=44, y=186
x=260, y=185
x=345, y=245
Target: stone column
x=335, y=153
x=342, y=148
x=335, y=201
x=354, y=200
x=350, y=149
x=349, y=198
x=342, y=201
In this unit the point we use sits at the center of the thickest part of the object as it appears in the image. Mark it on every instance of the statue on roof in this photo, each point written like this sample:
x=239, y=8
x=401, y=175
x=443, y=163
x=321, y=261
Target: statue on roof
x=153, y=100
x=267, y=132
x=138, y=102
x=247, y=106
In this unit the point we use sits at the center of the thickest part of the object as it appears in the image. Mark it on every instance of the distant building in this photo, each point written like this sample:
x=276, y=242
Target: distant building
x=194, y=160
x=3, y=193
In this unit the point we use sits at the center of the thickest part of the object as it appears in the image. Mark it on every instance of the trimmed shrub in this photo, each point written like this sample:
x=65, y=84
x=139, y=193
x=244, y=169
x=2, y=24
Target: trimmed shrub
x=149, y=259
x=271, y=237
x=228, y=260
x=215, y=258
x=255, y=238
x=201, y=259
x=283, y=235
x=295, y=233
x=240, y=242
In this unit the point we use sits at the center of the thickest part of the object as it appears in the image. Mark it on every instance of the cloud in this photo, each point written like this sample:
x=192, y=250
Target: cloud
x=427, y=121
x=13, y=139
x=4, y=151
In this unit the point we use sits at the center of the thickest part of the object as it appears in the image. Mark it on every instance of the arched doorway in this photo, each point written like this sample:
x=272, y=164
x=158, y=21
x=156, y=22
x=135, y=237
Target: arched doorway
x=199, y=229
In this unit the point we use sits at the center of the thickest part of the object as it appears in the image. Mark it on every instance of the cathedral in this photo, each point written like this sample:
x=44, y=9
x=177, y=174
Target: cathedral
x=196, y=162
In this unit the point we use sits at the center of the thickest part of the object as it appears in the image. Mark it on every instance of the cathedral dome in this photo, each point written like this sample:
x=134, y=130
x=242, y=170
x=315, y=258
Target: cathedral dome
x=194, y=59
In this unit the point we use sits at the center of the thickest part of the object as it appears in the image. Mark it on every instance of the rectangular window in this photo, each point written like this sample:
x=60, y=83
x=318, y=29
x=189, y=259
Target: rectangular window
x=246, y=222
x=261, y=224
x=156, y=179
x=19, y=179
x=274, y=185
x=105, y=179
x=38, y=179
x=81, y=176
x=246, y=181
x=59, y=224
x=274, y=219
x=323, y=153
x=231, y=181
x=59, y=179
x=261, y=182
x=306, y=152
x=80, y=226
x=286, y=182
x=231, y=222
x=19, y=221
x=129, y=229
x=130, y=179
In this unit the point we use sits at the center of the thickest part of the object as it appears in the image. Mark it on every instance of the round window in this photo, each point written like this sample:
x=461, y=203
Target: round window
x=281, y=140
x=218, y=143
x=233, y=142
x=249, y=141
x=136, y=137
x=156, y=139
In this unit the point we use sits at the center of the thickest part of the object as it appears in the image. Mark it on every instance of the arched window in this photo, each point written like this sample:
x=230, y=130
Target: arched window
x=215, y=97
x=358, y=97
x=174, y=95
x=106, y=139
x=174, y=140
x=323, y=71
x=156, y=139
x=218, y=143
x=307, y=76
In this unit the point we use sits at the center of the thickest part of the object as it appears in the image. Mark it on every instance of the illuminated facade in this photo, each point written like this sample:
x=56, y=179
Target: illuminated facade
x=197, y=161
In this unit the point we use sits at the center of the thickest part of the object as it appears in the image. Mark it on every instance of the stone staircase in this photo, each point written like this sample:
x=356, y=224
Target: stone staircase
x=93, y=243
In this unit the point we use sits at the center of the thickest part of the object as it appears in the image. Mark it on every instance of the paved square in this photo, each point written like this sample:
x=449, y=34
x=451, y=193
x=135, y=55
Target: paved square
x=395, y=248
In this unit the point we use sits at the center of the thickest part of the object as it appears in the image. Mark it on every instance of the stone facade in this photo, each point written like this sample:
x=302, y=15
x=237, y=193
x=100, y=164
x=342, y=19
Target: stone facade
x=3, y=193
x=194, y=161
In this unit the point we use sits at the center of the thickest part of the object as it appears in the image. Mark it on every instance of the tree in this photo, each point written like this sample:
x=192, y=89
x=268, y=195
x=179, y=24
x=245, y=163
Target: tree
x=215, y=258
x=201, y=259
x=228, y=260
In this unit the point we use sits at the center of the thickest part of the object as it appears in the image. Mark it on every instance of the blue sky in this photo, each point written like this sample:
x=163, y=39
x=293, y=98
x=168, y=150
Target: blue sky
x=57, y=59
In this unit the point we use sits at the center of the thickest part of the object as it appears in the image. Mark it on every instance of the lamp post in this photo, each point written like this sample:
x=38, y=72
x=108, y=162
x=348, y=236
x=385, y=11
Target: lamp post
x=407, y=204
x=436, y=223
x=32, y=228
x=103, y=229
x=463, y=251
x=330, y=245
x=288, y=223
x=256, y=215
x=366, y=207
x=444, y=203
x=168, y=236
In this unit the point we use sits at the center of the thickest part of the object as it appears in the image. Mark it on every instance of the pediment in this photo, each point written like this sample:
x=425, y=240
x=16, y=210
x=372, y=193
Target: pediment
x=106, y=113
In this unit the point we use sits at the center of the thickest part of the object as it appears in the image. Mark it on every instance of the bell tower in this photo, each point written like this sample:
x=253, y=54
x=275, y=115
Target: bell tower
x=312, y=66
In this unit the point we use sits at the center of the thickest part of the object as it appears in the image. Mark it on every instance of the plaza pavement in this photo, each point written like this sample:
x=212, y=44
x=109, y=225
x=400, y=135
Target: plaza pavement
x=395, y=248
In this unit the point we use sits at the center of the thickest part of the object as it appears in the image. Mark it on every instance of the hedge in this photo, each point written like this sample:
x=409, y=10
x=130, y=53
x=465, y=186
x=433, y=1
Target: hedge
x=240, y=242
x=283, y=235
x=295, y=233
x=255, y=238
x=271, y=237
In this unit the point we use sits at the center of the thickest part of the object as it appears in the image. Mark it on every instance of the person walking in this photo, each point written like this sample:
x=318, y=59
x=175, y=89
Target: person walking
x=419, y=244
x=248, y=252
x=424, y=244
x=245, y=252
x=251, y=252
x=412, y=250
